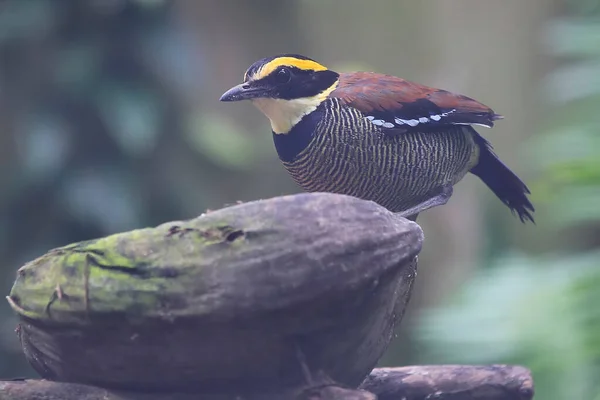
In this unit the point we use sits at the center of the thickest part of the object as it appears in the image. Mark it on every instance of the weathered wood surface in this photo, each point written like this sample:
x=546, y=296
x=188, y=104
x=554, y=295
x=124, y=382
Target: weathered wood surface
x=451, y=382
x=443, y=382
x=222, y=301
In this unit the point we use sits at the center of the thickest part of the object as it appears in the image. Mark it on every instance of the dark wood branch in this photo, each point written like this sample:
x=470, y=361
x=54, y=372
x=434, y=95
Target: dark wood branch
x=455, y=382
x=48, y=390
x=443, y=382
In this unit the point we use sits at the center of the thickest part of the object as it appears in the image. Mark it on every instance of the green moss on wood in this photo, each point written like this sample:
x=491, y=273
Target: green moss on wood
x=135, y=273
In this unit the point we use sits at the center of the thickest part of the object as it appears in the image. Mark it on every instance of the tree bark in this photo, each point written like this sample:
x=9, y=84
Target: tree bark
x=456, y=382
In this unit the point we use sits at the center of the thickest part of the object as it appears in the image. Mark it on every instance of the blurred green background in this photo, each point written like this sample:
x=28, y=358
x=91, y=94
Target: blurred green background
x=110, y=120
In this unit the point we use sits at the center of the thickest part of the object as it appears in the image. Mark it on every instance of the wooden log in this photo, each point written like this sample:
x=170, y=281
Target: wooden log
x=223, y=301
x=440, y=382
x=455, y=382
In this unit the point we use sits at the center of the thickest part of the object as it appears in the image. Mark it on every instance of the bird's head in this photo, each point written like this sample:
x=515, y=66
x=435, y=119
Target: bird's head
x=284, y=88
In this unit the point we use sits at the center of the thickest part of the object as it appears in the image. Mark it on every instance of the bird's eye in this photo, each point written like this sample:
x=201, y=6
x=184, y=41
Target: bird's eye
x=283, y=75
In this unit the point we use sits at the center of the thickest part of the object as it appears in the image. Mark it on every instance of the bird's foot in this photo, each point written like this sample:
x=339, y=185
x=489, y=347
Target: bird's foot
x=438, y=200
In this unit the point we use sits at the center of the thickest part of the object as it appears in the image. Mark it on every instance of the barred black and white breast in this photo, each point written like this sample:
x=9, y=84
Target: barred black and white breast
x=337, y=149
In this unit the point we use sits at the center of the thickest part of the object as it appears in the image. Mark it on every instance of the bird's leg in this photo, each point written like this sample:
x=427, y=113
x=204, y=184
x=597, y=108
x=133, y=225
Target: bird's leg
x=303, y=363
x=438, y=200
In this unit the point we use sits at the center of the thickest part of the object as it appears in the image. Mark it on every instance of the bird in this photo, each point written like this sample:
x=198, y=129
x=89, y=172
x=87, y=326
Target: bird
x=377, y=137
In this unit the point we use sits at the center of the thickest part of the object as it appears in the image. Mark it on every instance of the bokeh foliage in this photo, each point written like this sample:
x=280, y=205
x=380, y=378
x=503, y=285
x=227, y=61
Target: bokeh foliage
x=543, y=311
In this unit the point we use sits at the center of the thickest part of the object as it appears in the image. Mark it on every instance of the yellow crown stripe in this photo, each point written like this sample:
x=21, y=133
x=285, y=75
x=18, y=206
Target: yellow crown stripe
x=307, y=65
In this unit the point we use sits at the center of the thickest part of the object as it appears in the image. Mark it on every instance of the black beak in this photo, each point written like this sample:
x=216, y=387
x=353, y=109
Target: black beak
x=243, y=91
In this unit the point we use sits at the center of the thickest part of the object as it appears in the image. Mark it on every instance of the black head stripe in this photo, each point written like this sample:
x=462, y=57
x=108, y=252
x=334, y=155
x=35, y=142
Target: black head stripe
x=303, y=83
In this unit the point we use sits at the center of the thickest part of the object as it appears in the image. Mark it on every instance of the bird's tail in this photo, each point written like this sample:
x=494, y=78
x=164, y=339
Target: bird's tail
x=502, y=181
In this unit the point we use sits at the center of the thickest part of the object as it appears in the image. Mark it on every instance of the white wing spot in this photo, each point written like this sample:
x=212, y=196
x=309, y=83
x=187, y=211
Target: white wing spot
x=472, y=123
x=411, y=122
x=437, y=117
x=448, y=112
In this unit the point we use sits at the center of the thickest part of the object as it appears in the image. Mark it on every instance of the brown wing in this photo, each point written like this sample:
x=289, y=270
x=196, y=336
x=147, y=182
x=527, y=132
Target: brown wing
x=401, y=105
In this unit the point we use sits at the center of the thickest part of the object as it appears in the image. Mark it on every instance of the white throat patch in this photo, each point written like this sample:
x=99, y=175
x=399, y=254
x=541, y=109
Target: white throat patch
x=284, y=114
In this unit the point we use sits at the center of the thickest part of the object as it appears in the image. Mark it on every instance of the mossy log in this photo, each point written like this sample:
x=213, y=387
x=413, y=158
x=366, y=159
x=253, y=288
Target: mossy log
x=248, y=299
x=442, y=382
